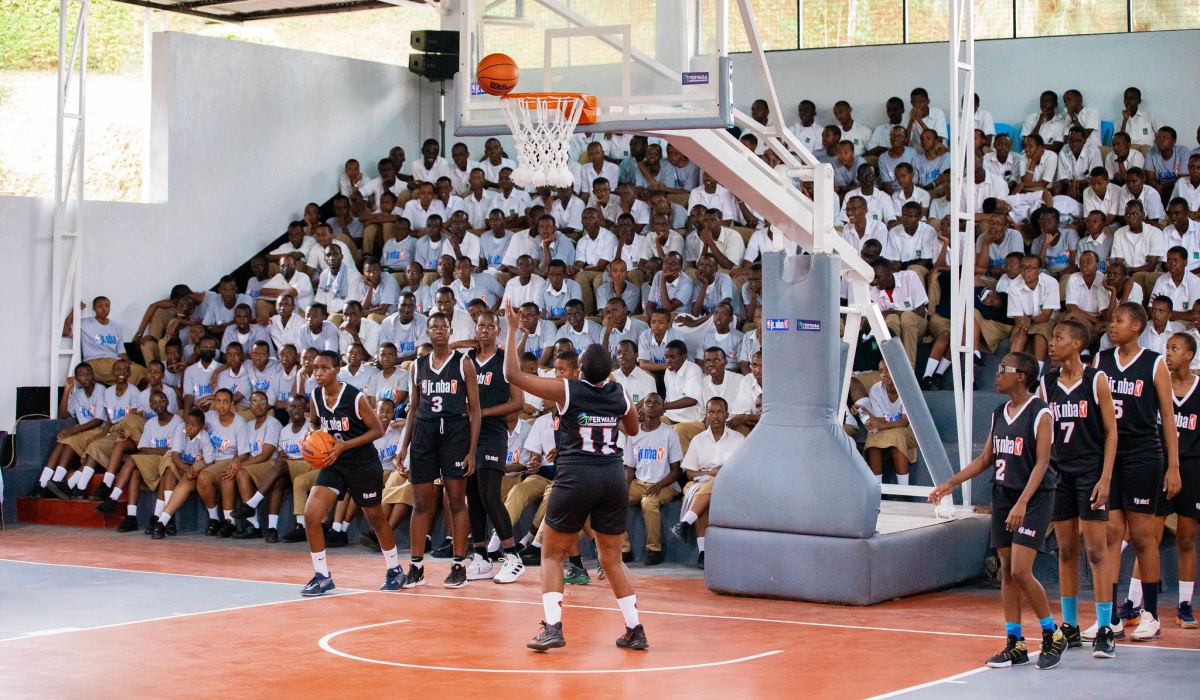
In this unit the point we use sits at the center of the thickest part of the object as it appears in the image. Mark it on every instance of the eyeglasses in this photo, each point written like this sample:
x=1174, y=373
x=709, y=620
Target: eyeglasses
x=1006, y=370
x=258, y=402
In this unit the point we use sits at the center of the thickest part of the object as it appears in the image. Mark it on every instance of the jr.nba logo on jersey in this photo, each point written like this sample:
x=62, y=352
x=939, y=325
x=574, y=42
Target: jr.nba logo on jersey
x=487, y=379
x=1137, y=388
x=1083, y=409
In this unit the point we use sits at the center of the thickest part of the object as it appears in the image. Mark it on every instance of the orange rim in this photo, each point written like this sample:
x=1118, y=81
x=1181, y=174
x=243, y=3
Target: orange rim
x=589, y=101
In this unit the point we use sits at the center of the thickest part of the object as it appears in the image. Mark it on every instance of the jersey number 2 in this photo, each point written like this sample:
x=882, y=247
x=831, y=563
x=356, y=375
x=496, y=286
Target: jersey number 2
x=606, y=444
x=1000, y=464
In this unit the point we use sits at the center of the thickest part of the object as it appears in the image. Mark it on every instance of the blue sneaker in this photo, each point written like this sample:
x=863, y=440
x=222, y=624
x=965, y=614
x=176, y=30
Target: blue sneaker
x=1183, y=616
x=319, y=585
x=394, y=580
x=1129, y=614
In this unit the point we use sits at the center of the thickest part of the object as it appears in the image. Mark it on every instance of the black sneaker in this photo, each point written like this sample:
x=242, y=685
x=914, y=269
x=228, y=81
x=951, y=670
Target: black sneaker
x=171, y=529
x=106, y=506
x=1071, y=634
x=129, y=524
x=1014, y=654
x=700, y=561
x=551, y=637
x=59, y=490
x=39, y=491
x=271, y=535
x=416, y=576
x=160, y=531
x=149, y=531
x=495, y=556
x=213, y=529
x=446, y=551
x=531, y=556
x=102, y=492
x=228, y=527
x=627, y=557
x=1104, y=646
x=79, y=494
x=242, y=511
x=250, y=533
x=457, y=577
x=318, y=585
x=654, y=558
x=296, y=535
x=684, y=531
x=634, y=638
x=930, y=383
x=334, y=538
x=1053, y=645
x=370, y=540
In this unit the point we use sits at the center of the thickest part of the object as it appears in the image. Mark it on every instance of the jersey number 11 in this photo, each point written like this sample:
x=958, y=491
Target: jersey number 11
x=606, y=445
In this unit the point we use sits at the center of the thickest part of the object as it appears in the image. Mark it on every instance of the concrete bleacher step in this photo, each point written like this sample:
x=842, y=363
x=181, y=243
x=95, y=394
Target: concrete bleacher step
x=52, y=511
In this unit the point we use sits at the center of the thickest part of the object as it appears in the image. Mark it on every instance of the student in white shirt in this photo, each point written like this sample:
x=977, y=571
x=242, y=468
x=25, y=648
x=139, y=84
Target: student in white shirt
x=333, y=289
x=102, y=343
x=577, y=328
x=1101, y=195
x=1086, y=118
x=525, y=287
x=318, y=332
x=984, y=123
x=888, y=431
x=460, y=168
x=1188, y=188
x=881, y=136
x=638, y=383
x=595, y=167
x=243, y=331
x=1160, y=328
x=682, y=381
x=535, y=335
x=1075, y=163
x=911, y=242
x=856, y=133
x=1136, y=190
x=493, y=162
x=493, y=244
x=1046, y=122
x=618, y=325
x=902, y=299
x=357, y=329
x=652, y=458
x=1179, y=285
x=288, y=282
x=419, y=208
x=718, y=382
x=1032, y=300
x=922, y=118
x=296, y=247
x=807, y=130
x=430, y=167
x=707, y=453
x=1139, y=245
x=1183, y=231
x=1086, y=296
x=905, y=190
x=1000, y=241
x=1141, y=124
x=558, y=292
x=404, y=329
x=316, y=262
x=1001, y=160
x=619, y=286
x=1038, y=165
x=1122, y=158
x=478, y=202
x=596, y=248
x=714, y=196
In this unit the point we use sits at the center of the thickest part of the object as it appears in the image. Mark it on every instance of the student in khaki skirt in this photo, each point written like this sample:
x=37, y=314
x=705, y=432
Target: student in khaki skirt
x=84, y=400
x=191, y=452
x=256, y=475
x=231, y=447
x=147, y=465
x=120, y=400
x=291, y=465
x=886, y=420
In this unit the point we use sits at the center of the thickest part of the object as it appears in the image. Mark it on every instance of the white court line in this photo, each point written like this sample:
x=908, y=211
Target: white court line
x=157, y=573
x=930, y=684
x=324, y=644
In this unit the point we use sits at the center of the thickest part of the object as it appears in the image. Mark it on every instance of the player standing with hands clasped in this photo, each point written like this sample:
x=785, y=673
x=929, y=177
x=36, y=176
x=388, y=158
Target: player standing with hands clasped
x=1019, y=447
x=590, y=480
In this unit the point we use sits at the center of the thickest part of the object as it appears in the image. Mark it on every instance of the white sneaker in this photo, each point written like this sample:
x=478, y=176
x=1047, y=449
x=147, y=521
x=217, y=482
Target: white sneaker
x=512, y=569
x=1089, y=634
x=478, y=568
x=1147, y=630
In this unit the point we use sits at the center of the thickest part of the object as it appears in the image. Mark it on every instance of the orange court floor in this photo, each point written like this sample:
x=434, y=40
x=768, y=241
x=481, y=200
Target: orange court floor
x=96, y=614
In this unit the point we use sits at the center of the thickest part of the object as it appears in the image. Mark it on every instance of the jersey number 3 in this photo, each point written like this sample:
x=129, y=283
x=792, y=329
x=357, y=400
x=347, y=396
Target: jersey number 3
x=435, y=404
x=607, y=443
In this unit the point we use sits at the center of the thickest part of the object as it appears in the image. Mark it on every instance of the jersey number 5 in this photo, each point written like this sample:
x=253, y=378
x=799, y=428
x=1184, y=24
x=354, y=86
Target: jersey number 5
x=607, y=442
x=1119, y=407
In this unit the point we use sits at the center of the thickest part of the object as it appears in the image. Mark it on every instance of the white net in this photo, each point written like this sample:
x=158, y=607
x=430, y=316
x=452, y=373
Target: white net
x=542, y=126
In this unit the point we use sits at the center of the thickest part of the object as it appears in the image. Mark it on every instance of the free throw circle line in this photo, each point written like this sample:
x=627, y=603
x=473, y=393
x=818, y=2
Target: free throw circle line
x=325, y=644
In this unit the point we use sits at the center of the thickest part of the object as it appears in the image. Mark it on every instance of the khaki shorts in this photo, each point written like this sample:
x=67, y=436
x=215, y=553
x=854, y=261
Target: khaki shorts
x=259, y=472
x=1046, y=330
x=303, y=478
x=217, y=468
x=101, y=448
x=79, y=441
x=151, y=468
x=169, y=463
x=134, y=424
x=397, y=490
x=902, y=439
x=870, y=379
x=992, y=332
x=937, y=325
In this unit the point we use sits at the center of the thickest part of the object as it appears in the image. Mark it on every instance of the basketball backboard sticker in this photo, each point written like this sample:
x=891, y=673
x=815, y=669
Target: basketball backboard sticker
x=651, y=64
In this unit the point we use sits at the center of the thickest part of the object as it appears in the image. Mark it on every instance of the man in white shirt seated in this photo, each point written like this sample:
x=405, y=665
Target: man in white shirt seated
x=1046, y=122
x=430, y=167
x=652, y=459
x=619, y=286
x=714, y=196
x=525, y=287
x=286, y=324
x=1086, y=118
x=478, y=202
x=1101, y=195
x=725, y=244
x=857, y=134
x=243, y=331
x=905, y=190
x=1122, y=158
x=1136, y=190
x=705, y=456
x=316, y=262
x=356, y=329
x=218, y=308
x=1141, y=124
x=911, y=243
x=577, y=327
x=346, y=228
x=1001, y=160
x=596, y=248
x=618, y=325
x=1038, y=166
x=1075, y=164
x=596, y=167
x=404, y=329
x=1032, y=300
x=1178, y=285
x=493, y=162
x=1183, y=231
x=375, y=291
x=564, y=206
x=351, y=178
x=493, y=245
x=368, y=195
x=881, y=136
x=460, y=168
x=1000, y=241
x=419, y=208
x=922, y=118
x=333, y=289
x=807, y=130
x=638, y=383
x=628, y=203
x=296, y=247
x=678, y=175
x=461, y=243
x=288, y=281
x=451, y=202
x=902, y=299
x=559, y=291
x=1188, y=188
x=318, y=332
x=683, y=381
x=879, y=204
x=468, y=285
x=1087, y=296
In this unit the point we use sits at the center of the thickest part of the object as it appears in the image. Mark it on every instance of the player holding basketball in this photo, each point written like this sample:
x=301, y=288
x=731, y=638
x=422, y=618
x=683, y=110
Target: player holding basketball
x=352, y=467
x=1019, y=446
x=442, y=431
x=1085, y=445
x=589, y=482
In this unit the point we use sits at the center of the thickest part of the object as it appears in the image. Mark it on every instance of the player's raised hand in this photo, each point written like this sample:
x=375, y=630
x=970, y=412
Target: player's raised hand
x=510, y=314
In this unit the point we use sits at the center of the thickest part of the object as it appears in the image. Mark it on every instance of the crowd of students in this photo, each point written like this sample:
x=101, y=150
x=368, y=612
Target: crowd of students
x=646, y=255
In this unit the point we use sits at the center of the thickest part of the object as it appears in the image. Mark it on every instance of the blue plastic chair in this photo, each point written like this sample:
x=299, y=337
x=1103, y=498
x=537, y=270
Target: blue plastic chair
x=1106, y=133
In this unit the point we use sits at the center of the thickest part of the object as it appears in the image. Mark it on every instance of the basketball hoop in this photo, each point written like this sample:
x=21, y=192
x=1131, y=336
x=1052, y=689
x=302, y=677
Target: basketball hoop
x=542, y=124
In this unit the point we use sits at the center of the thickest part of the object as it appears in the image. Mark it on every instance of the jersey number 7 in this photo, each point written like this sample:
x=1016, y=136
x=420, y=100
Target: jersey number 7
x=607, y=442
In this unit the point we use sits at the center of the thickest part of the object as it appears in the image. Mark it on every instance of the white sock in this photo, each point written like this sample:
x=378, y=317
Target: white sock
x=879, y=478
x=700, y=543
x=629, y=610
x=85, y=477
x=130, y=510
x=71, y=481
x=978, y=354
x=536, y=544
x=1185, y=591
x=552, y=606
x=253, y=520
x=1123, y=546
x=943, y=365
x=228, y=515
x=337, y=527
x=158, y=506
x=59, y=473
x=167, y=496
x=108, y=478
x=213, y=514
x=1135, y=592
x=902, y=479
x=300, y=520
x=164, y=518
x=391, y=558
x=273, y=522
x=44, y=479
x=319, y=564
x=930, y=367
x=494, y=543
x=690, y=517
x=255, y=500
x=116, y=494
x=526, y=539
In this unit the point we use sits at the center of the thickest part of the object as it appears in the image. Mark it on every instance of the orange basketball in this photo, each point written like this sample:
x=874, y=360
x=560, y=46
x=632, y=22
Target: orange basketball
x=315, y=448
x=497, y=74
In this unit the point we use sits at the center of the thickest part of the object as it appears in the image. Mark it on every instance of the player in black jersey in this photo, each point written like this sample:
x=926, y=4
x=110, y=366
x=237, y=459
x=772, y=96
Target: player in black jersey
x=1141, y=390
x=439, y=439
x=496, y=401
x=1185, y=387
x=352, y=468
x=589, y=480
x=1019, y=446
x=1085, y=445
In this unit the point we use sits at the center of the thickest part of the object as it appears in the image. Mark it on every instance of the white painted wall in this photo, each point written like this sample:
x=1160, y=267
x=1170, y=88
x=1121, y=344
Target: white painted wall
x=1011, y=75
x=243, y=136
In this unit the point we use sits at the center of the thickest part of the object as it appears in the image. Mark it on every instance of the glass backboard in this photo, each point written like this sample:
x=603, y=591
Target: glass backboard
x=651, y=64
